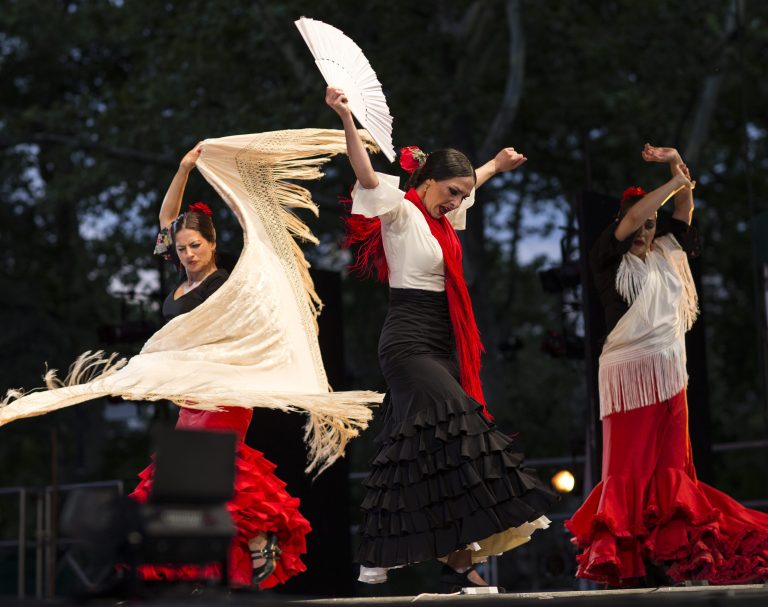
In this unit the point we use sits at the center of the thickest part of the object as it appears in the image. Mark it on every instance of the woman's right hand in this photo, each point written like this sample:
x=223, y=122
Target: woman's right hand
x=337, y=101
x=356, y=152
x=683, y=176
x=190, y=158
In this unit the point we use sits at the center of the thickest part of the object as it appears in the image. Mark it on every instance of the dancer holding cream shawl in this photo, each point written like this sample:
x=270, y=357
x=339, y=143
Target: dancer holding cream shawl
x=254, y=341
x=237, y=342
x=650, y=510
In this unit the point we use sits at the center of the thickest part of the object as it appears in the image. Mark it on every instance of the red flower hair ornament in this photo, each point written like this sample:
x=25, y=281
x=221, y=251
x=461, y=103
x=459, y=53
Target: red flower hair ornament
x=631, y=194
x=201, y=207
x=412, y=158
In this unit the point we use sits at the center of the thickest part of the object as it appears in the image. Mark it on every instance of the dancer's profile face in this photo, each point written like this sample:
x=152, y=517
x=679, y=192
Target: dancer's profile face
x=443, y=196
x=642, y=240
x=194, y=251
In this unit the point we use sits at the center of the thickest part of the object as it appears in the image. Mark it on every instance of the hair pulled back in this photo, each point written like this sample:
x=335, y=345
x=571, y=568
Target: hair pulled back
x=198, y=221
x=440, y=165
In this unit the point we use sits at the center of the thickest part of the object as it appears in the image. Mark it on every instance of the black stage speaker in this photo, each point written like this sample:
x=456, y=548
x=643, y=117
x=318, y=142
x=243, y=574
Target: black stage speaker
x=183, y=457
x=185, y=521
x=595, y=212
x=186, y=518
x=325, y=500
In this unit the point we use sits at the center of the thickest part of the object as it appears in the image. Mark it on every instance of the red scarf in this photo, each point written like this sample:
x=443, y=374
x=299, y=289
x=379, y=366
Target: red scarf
x=370, y=256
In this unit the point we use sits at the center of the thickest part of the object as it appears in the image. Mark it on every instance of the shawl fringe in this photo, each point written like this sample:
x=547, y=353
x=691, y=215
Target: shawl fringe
x=301, y=161
x=88, y=367
x=640, y=382
x=634, y=376
x=365, y=232
x=689, y=306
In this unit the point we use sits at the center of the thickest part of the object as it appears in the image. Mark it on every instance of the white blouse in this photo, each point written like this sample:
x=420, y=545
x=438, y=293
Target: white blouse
x=414, y=256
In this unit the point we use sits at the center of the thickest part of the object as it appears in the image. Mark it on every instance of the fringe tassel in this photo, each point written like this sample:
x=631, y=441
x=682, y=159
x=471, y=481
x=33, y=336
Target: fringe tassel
x=12, y=395
x=640, y=382
x=366, y=233
x=327, y=438
x=297, y=155
x=86, y=368
x=689, y=306
x=630, y=280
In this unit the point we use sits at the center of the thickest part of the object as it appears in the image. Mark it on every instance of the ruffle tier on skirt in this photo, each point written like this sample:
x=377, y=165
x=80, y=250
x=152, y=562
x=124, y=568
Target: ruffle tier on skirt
x=660, y=513
x=444, y=477
x=447, y=479
x=260, y=504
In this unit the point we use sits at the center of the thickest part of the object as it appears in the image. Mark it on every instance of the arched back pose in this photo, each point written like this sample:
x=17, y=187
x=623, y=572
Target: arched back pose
x=270, y=531
x=445, y=484
x=649, y=510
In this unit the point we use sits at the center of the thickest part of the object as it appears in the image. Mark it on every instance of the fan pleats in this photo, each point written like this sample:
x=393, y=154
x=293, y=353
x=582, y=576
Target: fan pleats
x=343, y=65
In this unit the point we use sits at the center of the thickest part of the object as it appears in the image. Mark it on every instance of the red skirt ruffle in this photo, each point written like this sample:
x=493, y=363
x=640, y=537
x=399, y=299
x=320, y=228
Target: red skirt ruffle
x=260, y=504
x=651, y=507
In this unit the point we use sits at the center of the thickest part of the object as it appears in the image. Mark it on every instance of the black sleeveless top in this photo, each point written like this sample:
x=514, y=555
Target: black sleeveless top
x=189, y=301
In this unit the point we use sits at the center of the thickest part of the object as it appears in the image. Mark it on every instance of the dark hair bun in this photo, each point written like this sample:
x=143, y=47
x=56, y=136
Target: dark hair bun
x=440, y=165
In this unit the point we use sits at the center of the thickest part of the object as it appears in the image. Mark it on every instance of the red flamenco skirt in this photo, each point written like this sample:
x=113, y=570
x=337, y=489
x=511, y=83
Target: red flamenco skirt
x=260, y=505
x=649, y=507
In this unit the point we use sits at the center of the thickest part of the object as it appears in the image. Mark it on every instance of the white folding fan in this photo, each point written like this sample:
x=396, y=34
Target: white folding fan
x=343, y=65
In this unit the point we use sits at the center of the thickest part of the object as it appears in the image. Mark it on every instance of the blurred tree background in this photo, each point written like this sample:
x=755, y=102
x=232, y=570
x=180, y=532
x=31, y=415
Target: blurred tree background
x=100, y=100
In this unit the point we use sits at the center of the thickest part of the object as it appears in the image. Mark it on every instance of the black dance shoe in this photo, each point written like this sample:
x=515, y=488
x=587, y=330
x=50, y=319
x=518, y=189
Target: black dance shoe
x=452, y=581
x=656, y=575
x=270, y=553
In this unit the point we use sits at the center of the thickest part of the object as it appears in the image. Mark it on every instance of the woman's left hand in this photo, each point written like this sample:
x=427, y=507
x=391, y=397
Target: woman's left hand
x=508, y=160
x=653, y=154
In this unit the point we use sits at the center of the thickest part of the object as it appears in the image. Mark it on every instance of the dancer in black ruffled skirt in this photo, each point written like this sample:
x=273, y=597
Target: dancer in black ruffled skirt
x=445, y=484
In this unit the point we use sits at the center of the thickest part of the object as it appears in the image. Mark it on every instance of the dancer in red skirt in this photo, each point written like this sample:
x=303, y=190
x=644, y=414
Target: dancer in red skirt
x=649, y=508
x=270, y=531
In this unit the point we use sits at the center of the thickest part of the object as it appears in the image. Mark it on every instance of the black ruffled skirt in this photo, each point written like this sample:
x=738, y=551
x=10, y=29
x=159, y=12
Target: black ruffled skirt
x=443, y=476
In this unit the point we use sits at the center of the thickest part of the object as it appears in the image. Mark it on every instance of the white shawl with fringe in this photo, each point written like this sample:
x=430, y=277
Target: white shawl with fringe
x=253, y=343
x=643, y=358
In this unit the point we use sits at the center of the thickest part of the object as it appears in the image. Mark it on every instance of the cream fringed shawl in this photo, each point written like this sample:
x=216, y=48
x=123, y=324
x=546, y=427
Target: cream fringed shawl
x=253, y=343
x=643, y=358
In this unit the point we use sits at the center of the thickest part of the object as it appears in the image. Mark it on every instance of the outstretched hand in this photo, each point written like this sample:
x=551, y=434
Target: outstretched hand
x=337, y=101
x=508, y=160
x=651, y=153
x=190, y=158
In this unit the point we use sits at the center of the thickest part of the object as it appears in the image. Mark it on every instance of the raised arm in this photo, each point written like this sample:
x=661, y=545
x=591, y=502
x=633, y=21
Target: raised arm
x=684, y=197
x=650, y=203
x=358, y=157
x=506, y=160
x=173, y=197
